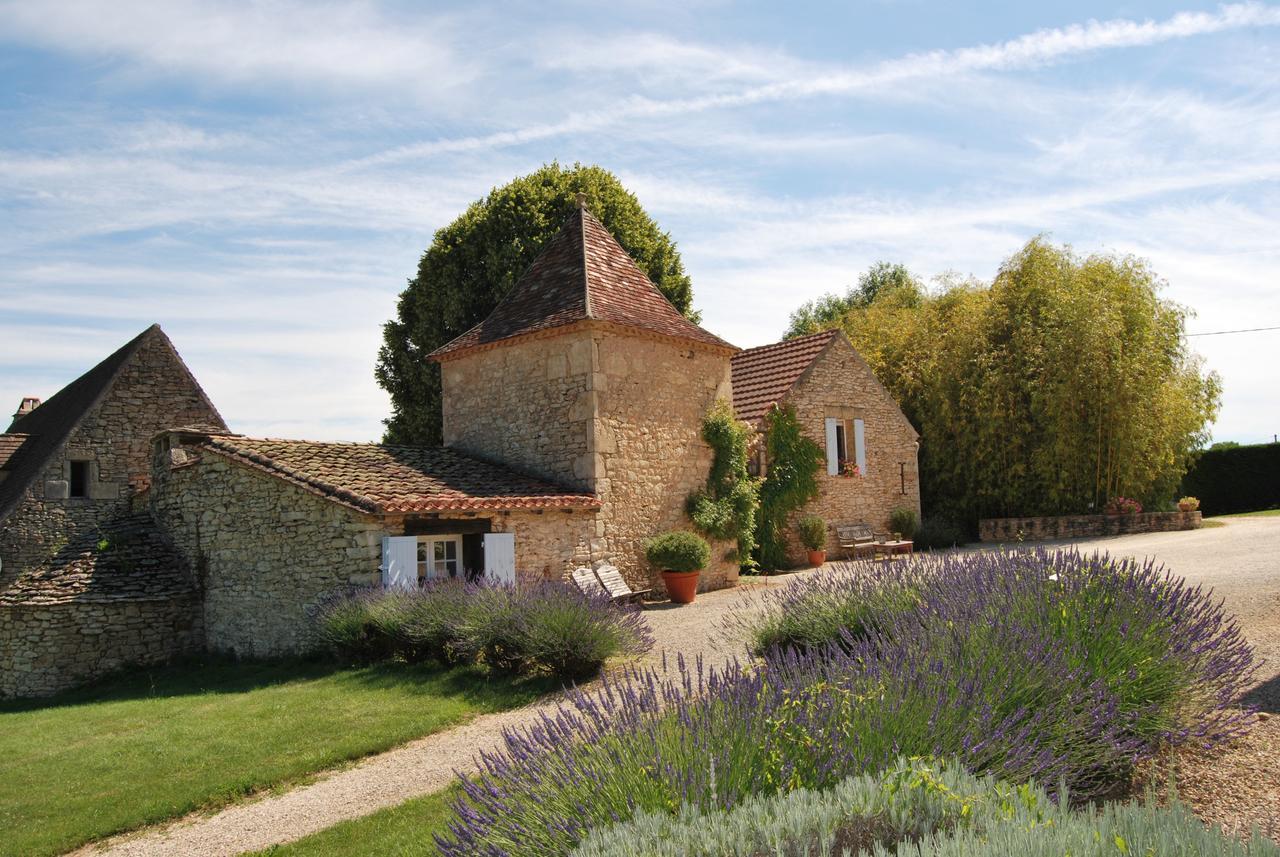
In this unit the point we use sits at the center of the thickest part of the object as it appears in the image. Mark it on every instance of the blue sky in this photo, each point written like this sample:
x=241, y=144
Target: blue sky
x=261, y=178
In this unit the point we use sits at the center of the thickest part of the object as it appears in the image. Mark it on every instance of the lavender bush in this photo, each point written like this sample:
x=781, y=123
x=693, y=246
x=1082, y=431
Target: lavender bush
x=1054, y=667
x=550, y=628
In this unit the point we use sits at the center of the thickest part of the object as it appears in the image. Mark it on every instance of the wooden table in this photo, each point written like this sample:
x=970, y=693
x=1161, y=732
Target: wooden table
x=902, y=546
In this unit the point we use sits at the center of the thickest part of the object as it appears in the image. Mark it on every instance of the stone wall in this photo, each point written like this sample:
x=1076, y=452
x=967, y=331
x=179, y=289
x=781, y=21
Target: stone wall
x=47, y=648
x=525, y=404
x=1084, y=526
x=153, y=391
x=840, y=384
x=551, y=544
x=266, y=552
x=647, y=450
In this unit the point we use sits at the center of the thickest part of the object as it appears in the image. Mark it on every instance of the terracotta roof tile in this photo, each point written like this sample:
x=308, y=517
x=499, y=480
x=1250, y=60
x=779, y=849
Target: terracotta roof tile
x=127, y=559
x=764, y=375
x=378, y=479
x=582, y=274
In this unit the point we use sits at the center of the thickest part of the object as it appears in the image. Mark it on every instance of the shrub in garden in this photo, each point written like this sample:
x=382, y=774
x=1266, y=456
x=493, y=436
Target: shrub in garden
x=678, y=550
x=904, y=520
x=360, y=627
x=1056, y=668
x=813, y=532
x=919, y=808
x=939, y=533
x=829, y=609
x=1122, y=506
x=543, y=628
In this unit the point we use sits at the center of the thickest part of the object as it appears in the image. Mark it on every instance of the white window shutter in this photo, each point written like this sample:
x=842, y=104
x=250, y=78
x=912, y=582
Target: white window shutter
x=860, y=446
x=833, y=454
x=500, y=558
x=399, y=562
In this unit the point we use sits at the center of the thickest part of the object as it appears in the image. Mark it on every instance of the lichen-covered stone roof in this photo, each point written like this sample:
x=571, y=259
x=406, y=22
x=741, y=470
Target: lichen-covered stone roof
x=582, y=274
x=127, y=559
x=763, y=376
x=381, y=479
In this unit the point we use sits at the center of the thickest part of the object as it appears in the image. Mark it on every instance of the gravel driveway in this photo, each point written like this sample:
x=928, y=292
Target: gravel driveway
x=1240, y=561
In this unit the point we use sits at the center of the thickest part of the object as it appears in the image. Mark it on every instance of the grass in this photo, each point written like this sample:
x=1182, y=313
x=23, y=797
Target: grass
x=1264, y=513
x=405, y=830
x=152, y=745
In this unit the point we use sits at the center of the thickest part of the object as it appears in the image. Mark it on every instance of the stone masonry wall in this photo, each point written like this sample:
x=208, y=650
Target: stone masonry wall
x=266, y=552
x=51, y=647
x=525, y=404
x=1084, y=526
x=646, y=448
x=839, y=384
x=549, y=545
x=154, y=391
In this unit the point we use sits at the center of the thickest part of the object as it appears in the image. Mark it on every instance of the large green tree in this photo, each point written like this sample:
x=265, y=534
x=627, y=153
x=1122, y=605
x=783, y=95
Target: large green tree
x=1064, y=382
x=474, y=261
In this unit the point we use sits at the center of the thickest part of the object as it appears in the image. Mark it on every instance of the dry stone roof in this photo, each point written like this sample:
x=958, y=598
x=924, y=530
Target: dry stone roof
x=763, y=376
x=582, y=274
x=380, y=479
x=44, y=429
x=127, y=559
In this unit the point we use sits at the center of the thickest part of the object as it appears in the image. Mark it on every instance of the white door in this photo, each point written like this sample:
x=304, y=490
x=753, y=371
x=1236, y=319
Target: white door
x=399, y=562
x=500, y=558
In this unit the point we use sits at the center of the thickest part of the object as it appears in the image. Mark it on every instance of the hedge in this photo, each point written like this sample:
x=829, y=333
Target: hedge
x=1236, y=479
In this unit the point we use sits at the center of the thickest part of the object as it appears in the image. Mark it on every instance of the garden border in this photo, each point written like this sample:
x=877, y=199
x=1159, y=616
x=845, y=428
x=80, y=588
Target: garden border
x=1085, y=526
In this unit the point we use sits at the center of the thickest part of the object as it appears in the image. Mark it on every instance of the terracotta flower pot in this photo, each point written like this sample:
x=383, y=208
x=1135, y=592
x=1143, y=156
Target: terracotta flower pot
x=817, y=558
x=1186, y=507
x=682, y=586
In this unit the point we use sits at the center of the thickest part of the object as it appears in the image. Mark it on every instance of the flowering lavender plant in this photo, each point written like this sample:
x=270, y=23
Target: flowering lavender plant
x=1047, y=666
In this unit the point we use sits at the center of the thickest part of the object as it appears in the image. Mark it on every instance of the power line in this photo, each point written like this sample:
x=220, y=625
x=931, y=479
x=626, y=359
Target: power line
x=1245, y=330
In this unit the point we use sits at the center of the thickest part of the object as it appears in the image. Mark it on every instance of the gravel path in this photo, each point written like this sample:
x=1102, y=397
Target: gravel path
x=1241, y=561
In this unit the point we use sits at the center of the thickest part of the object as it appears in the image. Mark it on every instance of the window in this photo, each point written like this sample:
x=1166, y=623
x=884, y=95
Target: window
x=846, y=447
x=439, y=557
x=79, y=479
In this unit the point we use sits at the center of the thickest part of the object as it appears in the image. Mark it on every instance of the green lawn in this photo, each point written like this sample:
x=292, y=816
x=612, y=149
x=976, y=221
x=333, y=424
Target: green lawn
x=1262, y=514
x=405, y=830
x=156, y=744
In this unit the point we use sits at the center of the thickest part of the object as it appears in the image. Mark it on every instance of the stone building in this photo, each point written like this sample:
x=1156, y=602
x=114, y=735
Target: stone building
x=870, y=446
x=135, y=526
x=84, y=583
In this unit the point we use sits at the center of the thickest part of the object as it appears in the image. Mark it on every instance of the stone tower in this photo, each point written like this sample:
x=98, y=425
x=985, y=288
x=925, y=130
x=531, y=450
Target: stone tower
x=586, y=375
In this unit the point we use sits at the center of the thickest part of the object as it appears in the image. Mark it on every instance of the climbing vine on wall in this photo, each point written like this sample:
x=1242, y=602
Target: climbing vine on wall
x=726, y=507
x=791, y=481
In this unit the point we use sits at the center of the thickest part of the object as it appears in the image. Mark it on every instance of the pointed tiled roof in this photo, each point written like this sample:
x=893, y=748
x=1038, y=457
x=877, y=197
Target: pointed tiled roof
x=47, y=427
x=581, y=274
x=378, y=479
x=762, y=376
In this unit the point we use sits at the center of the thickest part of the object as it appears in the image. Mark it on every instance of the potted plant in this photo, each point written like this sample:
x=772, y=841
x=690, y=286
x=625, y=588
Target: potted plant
x=1122, y=506
x=813, y=535
x=1188, y=504
x=681, y=556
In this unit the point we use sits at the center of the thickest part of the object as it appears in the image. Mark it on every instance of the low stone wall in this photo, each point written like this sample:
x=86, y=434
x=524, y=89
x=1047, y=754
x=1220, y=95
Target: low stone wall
x=1084, y=526
x=46, y=648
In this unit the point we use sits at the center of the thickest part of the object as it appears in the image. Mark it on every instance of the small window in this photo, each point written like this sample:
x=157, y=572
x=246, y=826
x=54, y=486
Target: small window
x=842, y=445
x=79, y=479
x=439, y=557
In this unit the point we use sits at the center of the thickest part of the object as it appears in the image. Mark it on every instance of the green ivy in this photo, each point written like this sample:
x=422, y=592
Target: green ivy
x=792, y=480
x=726, y=507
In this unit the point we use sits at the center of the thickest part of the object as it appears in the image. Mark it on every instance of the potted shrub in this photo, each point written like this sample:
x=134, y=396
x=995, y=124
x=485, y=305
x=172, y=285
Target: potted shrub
x=681, y=556
x=813, y=535
x=1188, y=504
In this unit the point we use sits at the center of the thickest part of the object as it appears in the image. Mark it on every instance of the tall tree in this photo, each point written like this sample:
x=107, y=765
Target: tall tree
x=474, y=261
x=1064, y=382
x=881, y=278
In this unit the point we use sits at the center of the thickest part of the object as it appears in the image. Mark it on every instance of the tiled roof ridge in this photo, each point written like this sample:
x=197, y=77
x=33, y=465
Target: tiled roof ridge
x=783, y=344
x=275, y=468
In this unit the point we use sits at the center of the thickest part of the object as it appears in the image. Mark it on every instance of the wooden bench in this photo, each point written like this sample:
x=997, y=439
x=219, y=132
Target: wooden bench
x=859, y=539
x=613, y=582
x=606, y=581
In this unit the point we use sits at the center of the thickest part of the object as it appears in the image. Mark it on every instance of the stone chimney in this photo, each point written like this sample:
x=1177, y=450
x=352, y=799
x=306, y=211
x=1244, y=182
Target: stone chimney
x=29, y=404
